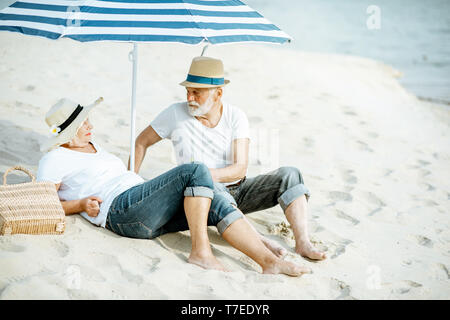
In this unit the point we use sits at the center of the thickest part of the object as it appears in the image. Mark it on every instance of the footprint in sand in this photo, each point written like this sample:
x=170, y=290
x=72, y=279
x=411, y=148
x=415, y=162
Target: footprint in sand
x=91, y=274
x=309, y=142
x=340, y=196
x=340, y=248
x=61, y=248
x=442, y=271
x=347, y=110
x=422, y=240
x=102, y=259
x=372, y=199
x=344, y=290
x=342, y=215
x=11, y=247
x=364, y=146
x=404, y=286
x=153, y=261
x=348, y=176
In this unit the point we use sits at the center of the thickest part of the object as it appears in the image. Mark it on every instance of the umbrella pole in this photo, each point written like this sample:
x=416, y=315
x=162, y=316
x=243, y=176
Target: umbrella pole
x=133, y=57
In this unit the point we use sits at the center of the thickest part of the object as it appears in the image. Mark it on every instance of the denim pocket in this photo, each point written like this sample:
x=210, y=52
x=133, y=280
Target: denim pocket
x=135, y=230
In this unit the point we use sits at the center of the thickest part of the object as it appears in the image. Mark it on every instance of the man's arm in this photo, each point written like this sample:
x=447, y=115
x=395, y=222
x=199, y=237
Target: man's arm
x=145, y=139
x=237, y=170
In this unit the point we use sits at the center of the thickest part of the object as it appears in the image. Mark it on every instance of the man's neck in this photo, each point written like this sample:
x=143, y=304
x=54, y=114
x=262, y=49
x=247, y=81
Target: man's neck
x=212, y=118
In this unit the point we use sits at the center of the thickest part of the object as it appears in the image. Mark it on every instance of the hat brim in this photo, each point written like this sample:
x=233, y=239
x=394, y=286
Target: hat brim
x=71, y=131
x=202, y=85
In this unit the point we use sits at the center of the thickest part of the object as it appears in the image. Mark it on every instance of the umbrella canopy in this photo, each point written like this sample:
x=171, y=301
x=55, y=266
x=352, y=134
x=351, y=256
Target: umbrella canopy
x=185, y=21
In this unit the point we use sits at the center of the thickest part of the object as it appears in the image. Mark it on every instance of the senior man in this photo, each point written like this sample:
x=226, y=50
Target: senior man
x=211, y=131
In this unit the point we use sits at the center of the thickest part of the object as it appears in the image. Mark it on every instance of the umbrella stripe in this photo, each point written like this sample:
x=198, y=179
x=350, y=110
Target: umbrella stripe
x=139, y=24
x=131, y=17
x=32, y=32
x=157, y=31
x=182, y=10
x=144, y=38
x=199, y=2
x=192, y=4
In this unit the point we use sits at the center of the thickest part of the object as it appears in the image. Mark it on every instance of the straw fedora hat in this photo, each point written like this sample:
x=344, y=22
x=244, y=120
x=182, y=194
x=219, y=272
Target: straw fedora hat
x=64, y=120
x=205, y=72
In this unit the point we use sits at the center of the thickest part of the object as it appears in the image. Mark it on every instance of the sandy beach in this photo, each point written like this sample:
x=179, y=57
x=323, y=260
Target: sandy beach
x=375, y=158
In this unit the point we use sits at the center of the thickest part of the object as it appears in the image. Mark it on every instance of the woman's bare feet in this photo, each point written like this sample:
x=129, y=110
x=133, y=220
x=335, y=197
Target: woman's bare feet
x=285, y=267
x=306, y=249
x=206, y=261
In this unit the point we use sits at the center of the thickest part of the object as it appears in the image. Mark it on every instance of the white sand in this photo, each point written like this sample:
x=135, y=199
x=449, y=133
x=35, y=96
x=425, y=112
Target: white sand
x=375, y=158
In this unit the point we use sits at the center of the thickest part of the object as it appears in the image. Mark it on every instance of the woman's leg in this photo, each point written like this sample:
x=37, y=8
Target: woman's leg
x=144, y=210
x=196, y=210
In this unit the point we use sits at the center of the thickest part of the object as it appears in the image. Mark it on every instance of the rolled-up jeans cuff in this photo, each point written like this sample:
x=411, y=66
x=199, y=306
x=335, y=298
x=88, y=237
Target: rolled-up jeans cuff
x=228, y=220
x=199, y=192
x=292, y=194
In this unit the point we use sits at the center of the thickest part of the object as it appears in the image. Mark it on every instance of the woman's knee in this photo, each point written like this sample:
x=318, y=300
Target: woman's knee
x=222, y=213
x=199, y=182
x=201, y=175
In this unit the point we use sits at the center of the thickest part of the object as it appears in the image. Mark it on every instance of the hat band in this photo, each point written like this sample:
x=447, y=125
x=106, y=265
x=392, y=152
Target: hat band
x=205, y=80
x=72, y=117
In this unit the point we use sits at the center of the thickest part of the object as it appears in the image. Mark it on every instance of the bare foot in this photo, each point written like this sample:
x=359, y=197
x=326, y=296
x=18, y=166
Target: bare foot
x=307, y=250
x=285, y=267
x=206, y=261
x=276, y=249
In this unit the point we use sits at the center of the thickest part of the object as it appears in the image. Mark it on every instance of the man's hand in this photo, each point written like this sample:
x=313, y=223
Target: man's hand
x=91, y=205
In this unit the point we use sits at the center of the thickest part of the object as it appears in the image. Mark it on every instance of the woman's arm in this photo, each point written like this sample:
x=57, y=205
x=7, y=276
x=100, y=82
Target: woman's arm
x=90, y=205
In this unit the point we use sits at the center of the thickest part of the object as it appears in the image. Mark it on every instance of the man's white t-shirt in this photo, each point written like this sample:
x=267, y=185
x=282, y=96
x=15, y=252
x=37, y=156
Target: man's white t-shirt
x=81, y=175
x=192, y=141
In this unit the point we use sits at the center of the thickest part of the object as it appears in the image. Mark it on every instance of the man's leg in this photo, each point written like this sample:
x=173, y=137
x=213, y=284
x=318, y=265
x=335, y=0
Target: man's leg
x=296, y=215
x=276, y=249
x=284, y=186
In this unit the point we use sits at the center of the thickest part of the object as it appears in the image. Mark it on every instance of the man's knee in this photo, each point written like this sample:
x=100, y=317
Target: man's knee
x=290, y=176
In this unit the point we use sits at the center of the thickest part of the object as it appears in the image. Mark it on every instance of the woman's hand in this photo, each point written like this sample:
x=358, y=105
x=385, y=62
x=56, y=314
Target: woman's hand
x=91, y=205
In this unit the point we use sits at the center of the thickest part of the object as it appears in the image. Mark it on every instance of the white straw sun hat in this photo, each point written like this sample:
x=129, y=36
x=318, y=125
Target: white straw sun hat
x=64, y=119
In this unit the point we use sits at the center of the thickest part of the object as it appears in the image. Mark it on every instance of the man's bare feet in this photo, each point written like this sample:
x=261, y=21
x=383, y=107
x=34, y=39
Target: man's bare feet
x=285, y=267
x=206, y=261
x=276, y=249
x=306, y=249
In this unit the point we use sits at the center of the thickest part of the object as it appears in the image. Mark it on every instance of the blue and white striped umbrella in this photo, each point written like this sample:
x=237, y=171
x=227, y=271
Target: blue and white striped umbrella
x=185, y=21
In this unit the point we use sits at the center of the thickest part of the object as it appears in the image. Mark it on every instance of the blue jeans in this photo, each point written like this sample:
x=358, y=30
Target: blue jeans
x=155, y=207
x=281, y=186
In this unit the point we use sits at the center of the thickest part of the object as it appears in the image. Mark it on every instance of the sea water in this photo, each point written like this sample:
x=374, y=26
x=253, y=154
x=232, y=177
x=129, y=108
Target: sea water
x=413, y=36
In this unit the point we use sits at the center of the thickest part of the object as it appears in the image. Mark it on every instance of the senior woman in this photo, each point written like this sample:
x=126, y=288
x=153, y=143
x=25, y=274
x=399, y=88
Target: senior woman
x=96, y=184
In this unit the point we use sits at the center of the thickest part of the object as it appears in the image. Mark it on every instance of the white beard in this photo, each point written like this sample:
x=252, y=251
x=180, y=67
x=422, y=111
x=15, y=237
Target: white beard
x=201, y=109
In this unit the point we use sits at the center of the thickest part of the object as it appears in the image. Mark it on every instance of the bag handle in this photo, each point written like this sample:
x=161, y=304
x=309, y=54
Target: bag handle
x=18, y=168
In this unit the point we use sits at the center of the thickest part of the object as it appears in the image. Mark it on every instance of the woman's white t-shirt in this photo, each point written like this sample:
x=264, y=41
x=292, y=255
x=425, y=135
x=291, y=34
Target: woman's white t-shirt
x=81, y=175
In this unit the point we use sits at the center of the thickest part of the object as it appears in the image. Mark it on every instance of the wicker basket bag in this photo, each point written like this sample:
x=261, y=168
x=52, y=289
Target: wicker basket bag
x=30, y=208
